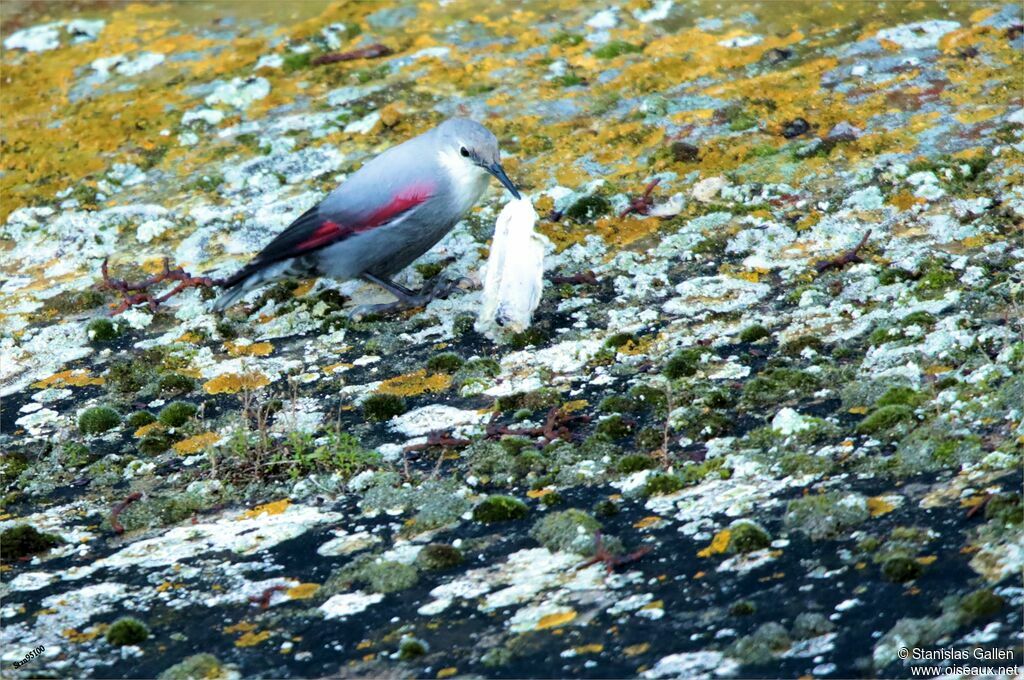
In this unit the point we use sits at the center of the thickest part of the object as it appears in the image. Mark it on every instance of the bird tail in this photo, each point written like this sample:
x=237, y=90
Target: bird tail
x=249, y=278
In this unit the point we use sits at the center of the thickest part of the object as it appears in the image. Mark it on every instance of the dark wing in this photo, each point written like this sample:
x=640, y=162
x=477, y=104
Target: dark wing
x=317, y=228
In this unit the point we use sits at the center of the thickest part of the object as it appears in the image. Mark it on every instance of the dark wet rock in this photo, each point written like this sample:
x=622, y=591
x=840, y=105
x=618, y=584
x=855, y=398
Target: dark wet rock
x=795, y=128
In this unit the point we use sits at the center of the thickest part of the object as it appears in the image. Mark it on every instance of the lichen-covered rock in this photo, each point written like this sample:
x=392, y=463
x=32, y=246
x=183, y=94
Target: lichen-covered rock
x=766, y=419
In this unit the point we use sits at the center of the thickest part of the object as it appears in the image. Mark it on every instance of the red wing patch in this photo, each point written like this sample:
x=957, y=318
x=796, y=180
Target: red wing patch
x=329, y=232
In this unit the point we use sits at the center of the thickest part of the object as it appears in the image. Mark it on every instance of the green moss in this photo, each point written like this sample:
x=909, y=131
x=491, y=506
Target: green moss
x=615, y=48
x=195, y=667
x=636, y=462
x=388, y=577
x=618, y=340
x=499, y=509
x=905, y=396
x=920, y=318
x=1005, y=508
x=614, y=427
x=127, y=630
x=762, y=645
x=140, y=419
x=743, y=608
x=177, y=413
x=411, y=648
x=175, y=383
x=543, y=398
x=713, y=245
x=809, y=625
x=684, y=363
x=740, y=119
x=75, y=301
x=980, y=605
x=568, y=39
x=615, y=403
x=891, y=275
x=778, y=385
x=588, y=208
x=569, y=530
x=827, y=515
x=296, y=61
x=649, y=397
x=129, y=377
x=75, y=454
x=796, y=346
x=153, y=444
x=901, y=568
x=754, y=333
x=534, y=336
x=570, y=79
x=746, y=536
x=98, y=419
x=662, y=484
x=102, y=330
x=381, y=407
x=429, y=270
x=445, y=363
x=23, y=540
x=439, y=556
x=885, y=418
x=935, y=279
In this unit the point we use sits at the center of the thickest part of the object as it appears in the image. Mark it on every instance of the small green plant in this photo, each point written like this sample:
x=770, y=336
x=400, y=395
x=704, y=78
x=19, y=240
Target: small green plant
x=23, y=540
x=615, y=48
x=683, y=363
x=381, y=407
x=445, y=363
x=745, y=536
x=177, y=413
x=102, y=330
x=885, y=418
x=499, y=509
x=754, y=333
x=127, y=630
x=439, y=556
x=98, y=419
x=662, y=484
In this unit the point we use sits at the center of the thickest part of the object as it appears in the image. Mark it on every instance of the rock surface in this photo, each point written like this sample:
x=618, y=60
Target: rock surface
x=732, y=442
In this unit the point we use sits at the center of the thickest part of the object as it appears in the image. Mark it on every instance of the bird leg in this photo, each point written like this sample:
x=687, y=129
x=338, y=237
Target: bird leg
x=407, y=299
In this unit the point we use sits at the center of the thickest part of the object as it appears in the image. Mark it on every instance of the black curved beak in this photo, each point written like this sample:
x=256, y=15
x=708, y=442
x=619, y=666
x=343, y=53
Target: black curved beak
x=499, y=172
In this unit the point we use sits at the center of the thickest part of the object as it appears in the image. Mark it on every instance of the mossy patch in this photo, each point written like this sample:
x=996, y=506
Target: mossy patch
x=885, y=418
x=901, y=568
x=980, y=605
x=754, y=333
x=23, y=540
x=905, y=396
x=102, y=330
x=439, y=556
x=588, y=208
x=827, y=515
x=615, y=48
x=635, y=462
x=779, y=385
x=746, y=536
x=196, y=666
x=500, y=509
x=140, y=419
x=662, y=484
x=569, y=530
x=447, y=362
x=127, y=630
x=98, y=419
x=381, y=407
x=177, y=413
x=684, y=363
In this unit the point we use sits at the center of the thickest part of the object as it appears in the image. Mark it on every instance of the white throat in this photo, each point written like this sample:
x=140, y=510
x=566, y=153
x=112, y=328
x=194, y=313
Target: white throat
x=468, y=179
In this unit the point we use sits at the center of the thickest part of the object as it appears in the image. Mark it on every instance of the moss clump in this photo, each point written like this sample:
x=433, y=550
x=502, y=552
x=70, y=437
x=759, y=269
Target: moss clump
x=388, y=577
x=1005, y=508
x=614, y=427
x=445, y=363
x=195, y=666
x=175, y=383
x=695, y=473
x=102, y=330
x=567, y=39
x=381, y=407
x=533, y=336
x=438, y=556
x=615, y=403
x=499, y=509
x=177, y=413
x=661, y=484
x=77, y=301
x=606, y=508
x=636, y=462
x=935, y=279
x=920, y=318
x=569, y=530
x=615, y=48
x=796, y=346
x=979, y=605
x=807, y=625
x=412, y=648
x=778, y=385
x=429, y=270
x=683, y=363
x=743, y=608
x=543, y=398
x=98, y=419
x=901, y=568
x=827, y=515
x=762, y=645
x=901, y=396
x=885, y=418
x=153, y=444
x=140, y=419
x=296, y=61
x=23, y=540
x=127, y=630
x=746, y=536
x=754, y=333
x=74, y=454
x=588, y=208
x=619, y=339
x=129, y=377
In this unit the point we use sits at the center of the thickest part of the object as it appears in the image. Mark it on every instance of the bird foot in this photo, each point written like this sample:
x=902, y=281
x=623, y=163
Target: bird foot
x=435, y=289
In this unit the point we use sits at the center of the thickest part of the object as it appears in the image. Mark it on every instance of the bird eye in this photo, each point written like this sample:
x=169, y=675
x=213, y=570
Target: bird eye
x=464, y=152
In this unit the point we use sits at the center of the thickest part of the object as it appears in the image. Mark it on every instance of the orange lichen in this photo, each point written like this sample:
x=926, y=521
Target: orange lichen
x=417, y=382
x=719, y=544
x=232, y=383
x=72, y=378
x=196, y=443
x=303, y=591
x=272, y=508
x=556, y=619
x=255, y=349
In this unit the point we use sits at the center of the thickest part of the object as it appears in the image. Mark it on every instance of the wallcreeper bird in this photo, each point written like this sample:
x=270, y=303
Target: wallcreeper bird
x=387, y=214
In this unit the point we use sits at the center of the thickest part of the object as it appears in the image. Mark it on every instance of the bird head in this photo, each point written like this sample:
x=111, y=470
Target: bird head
x=473, y=149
